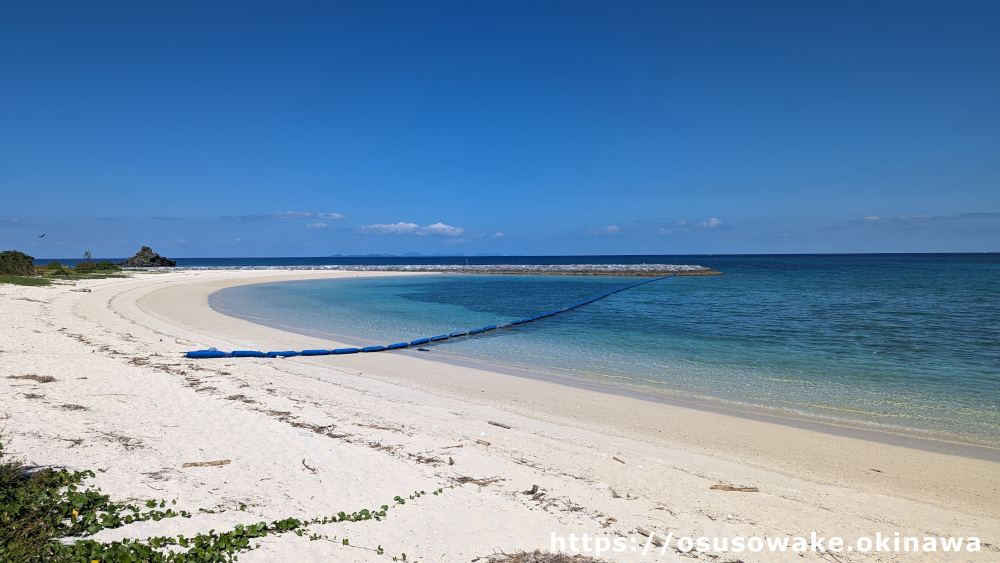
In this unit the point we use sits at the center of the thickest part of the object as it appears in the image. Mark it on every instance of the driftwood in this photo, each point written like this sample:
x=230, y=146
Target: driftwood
x=735, y=489
x=655, y=540
x=206, y=463
x=500, y=424
x=483, y=442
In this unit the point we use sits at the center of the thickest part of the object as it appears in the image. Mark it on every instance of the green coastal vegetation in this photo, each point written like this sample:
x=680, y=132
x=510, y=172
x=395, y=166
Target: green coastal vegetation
x=47, y=515
x=19, y=268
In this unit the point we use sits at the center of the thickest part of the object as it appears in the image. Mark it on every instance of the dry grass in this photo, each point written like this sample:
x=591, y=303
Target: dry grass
x=34, y=377
x=536, y=557
x=461, y=480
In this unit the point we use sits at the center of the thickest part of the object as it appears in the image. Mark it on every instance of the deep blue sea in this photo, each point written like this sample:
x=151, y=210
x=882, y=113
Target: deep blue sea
x=898, y=342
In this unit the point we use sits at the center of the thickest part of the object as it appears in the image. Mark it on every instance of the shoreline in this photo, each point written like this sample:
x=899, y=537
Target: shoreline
x=603, y=270
x=970, y=446
x=365, y=422
x=393, y=371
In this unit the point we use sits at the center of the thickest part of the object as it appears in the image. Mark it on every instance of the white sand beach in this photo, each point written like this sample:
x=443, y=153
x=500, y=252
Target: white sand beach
x=313, y=436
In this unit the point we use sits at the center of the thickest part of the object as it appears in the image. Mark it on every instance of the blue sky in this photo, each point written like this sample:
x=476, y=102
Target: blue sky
x=215, y=129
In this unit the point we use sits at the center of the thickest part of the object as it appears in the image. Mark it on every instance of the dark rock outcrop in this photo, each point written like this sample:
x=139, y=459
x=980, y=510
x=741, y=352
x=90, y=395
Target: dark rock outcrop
x=146, y=258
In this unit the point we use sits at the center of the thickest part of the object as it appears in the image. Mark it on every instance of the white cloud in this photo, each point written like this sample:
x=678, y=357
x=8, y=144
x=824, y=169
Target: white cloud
x=497, y=234
x=441, y=229
x=319, y=225
x=894, y=220
x=401, y=228
x=609, y=230
x=678, y=227
x=285, y=215
x=711, y=223
x=15, y=222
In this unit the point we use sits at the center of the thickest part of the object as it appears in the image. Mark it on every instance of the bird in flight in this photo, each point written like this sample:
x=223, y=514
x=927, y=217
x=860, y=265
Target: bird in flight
x=42, y=235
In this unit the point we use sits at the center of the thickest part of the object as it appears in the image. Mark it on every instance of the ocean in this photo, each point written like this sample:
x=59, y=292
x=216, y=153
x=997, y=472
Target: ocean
x=901, y=342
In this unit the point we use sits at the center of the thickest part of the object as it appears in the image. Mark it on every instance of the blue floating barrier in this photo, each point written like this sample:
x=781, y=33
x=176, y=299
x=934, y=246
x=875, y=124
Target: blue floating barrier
x=206, y=354
x=213, y=353
x=248, y=354
x=284, y=354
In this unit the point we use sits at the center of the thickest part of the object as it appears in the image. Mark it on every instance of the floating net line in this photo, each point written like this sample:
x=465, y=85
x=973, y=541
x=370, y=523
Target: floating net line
x=214, y=353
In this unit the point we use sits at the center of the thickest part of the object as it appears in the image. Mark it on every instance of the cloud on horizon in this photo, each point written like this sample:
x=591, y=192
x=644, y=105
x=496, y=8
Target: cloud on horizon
x=401, y=228
x=15, y=222
x=284, y=216
x=978, y=216
x=678, y=227
x=609, y=230
x=684, y=226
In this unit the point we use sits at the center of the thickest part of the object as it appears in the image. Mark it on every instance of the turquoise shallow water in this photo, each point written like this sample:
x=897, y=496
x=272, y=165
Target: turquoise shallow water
x=896, y=341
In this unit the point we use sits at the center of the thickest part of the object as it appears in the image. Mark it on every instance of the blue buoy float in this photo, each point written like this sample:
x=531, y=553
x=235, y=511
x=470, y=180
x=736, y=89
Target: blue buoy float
x=213, y=353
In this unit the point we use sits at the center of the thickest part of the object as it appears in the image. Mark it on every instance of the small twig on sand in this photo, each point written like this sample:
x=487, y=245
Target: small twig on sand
x=616, y=459
x=206, y=463
x=378, y=427
x=500, y=424
x=735, y=489
x=34, y=377
x=304, y=464
x=481, y=482
x=656, y=541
